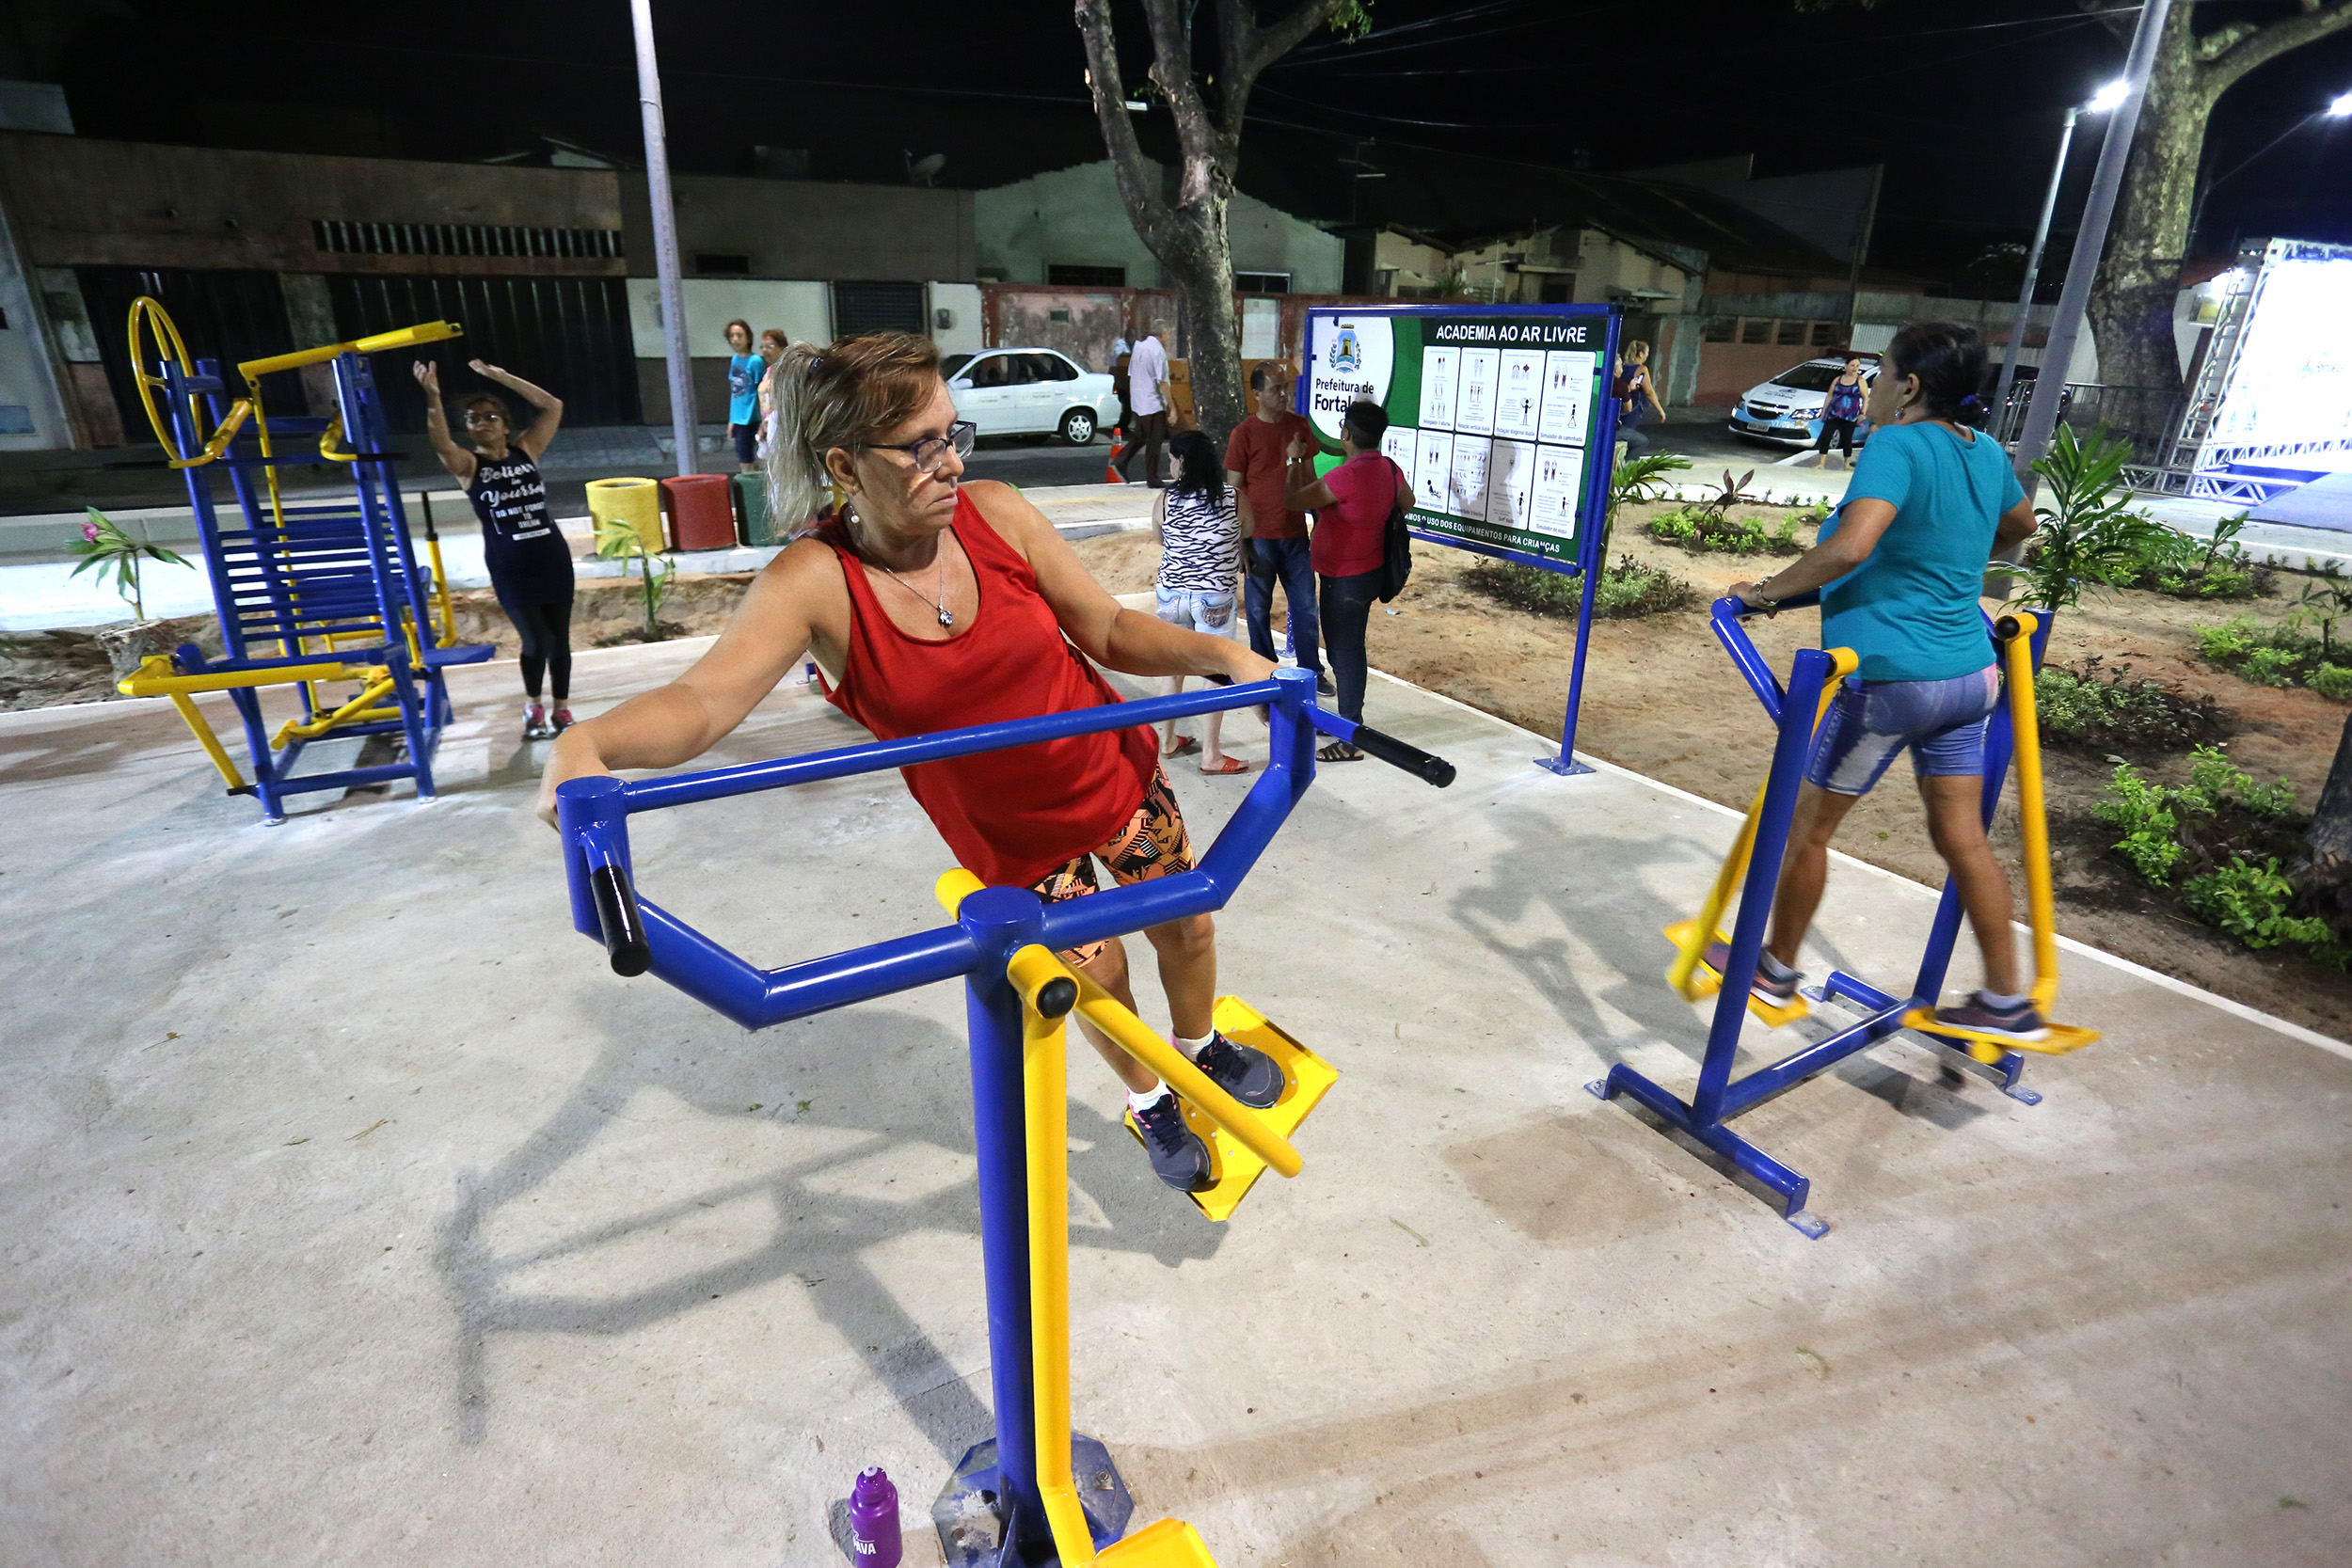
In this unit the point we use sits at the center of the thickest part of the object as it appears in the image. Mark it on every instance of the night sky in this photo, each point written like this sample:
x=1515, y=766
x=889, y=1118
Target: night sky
x=1962, y=103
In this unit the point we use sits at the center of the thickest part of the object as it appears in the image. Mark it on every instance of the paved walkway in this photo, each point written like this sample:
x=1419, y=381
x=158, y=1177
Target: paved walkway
x=356, y=1213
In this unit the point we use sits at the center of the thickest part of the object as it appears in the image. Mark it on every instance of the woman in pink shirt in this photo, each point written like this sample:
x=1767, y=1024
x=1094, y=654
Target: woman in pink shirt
x=1351, y=504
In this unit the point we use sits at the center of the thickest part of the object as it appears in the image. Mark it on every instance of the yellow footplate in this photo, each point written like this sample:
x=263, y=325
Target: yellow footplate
x=1166, y=1544
x=1306, y=1079
x=1705, y=981
x=2058, y=1039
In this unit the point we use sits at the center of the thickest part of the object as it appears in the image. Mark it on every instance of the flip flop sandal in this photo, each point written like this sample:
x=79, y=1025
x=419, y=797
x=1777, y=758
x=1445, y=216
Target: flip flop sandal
x=1339, y=751
x=1185, y=745
x=1232, y=764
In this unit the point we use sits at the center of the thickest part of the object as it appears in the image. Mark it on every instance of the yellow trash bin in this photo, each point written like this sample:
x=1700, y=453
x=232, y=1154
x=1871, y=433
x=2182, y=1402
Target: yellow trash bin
x=634, y=501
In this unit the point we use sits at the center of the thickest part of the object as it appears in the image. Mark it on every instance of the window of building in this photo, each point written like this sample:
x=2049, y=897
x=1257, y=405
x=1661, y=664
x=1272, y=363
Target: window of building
x=1383, y=280
x=862, y=308
x=1825, y=334
x=1557, y=288
x=1086, y=277
x=1790, y=333
x=722, y=263
x=1721, y=330
x=1262, y=282
x=1058, y=313
x=339, y=237
x=1755, y=331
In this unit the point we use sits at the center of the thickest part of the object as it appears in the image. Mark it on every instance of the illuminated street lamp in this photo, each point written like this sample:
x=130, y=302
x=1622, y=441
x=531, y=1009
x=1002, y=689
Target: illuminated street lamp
x=2107, y=97
x=2340, y=105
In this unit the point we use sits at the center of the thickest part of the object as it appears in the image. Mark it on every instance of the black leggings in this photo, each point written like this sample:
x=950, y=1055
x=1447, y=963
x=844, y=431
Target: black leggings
x=546, y=628
x=1346, y=611
x=1842, y=429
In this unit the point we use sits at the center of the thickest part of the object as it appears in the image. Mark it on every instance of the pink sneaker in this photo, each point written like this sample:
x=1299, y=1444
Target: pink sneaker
x=561, y=718
x=535, y=725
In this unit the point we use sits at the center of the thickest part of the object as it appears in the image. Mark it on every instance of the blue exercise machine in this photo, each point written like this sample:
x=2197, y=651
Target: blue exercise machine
x=1796, y=710
x=309, y=593
x=1036, y=1494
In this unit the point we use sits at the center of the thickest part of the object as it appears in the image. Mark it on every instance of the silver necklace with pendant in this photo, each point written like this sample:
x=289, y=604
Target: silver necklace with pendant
x=939, y=605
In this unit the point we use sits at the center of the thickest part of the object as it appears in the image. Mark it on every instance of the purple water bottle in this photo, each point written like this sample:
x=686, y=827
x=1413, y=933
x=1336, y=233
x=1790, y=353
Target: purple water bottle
x=874, y=1520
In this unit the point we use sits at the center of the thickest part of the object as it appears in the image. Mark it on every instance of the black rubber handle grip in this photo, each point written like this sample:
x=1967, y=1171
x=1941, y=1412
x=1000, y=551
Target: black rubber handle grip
x=1431, y=769
x=624, y=926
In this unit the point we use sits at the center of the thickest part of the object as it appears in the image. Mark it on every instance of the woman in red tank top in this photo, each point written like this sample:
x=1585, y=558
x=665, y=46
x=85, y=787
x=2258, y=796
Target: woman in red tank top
x=931, y=605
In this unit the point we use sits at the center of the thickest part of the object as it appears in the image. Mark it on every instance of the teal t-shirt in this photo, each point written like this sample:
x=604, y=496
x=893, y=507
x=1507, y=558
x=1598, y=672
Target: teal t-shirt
x=1910, y=609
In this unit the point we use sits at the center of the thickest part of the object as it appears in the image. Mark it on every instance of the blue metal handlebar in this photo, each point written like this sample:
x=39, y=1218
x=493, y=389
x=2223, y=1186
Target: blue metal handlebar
x=641, y=937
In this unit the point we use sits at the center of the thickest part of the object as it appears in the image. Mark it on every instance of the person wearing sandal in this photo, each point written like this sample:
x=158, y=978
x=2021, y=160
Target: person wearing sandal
x=1198, y=520
x=929, y=605
x=1351, y=504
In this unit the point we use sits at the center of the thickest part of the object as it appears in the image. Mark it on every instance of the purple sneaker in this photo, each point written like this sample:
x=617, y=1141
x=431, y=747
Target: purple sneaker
x=2022, y=1022
x=1765, y=988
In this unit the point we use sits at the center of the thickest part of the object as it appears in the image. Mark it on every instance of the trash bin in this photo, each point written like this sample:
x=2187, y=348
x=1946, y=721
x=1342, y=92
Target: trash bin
x=700, y=516
x=634, y=501
x=753, y=522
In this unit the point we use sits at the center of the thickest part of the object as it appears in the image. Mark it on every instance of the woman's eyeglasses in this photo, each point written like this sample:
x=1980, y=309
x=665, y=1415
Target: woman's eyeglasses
x=932, y=450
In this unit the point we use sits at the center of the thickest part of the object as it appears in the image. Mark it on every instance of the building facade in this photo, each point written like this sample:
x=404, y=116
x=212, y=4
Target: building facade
x=1069, y=227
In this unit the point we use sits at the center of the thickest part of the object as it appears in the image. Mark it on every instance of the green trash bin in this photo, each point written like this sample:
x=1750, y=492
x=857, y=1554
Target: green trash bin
x=753, y=524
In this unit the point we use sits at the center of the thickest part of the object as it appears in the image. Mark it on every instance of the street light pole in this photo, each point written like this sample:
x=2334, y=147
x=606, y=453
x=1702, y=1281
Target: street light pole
x=2033, y=266
x=2090, y=241
x=664, y=239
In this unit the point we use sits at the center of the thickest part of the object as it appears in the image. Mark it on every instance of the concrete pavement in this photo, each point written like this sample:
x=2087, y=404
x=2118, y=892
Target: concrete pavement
x=356, y=1213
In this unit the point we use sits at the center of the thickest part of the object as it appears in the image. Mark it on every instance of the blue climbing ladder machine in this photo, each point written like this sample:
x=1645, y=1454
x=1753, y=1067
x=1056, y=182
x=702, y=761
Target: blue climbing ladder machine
x=319, y=595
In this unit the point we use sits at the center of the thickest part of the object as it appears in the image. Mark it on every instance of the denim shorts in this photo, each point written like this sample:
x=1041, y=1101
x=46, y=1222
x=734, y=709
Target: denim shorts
x=1870, y=722
x=1212, y=614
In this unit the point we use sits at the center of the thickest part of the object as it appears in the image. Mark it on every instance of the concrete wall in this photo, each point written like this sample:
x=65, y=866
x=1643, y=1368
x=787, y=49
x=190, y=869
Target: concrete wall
x=802, y=229
x=79, y=201
x=1074, y=217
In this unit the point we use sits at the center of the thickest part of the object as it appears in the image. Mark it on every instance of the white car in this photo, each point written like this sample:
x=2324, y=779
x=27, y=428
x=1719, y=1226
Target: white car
x=1017, y=391
x=1787, y=409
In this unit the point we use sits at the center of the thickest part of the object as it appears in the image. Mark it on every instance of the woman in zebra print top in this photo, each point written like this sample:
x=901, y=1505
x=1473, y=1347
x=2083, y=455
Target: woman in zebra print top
x=1197, y=518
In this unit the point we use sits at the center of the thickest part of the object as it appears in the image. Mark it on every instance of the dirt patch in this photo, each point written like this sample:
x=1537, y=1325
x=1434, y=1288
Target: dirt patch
x=1662, y=699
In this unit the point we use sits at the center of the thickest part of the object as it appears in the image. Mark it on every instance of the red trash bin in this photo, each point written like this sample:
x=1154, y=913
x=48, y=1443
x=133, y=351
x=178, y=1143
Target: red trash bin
x=702, y=512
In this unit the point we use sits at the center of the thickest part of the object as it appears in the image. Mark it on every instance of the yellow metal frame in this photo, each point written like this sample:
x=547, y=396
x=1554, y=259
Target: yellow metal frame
x=2041, y=904
x=1168, y=1543
x=155, y=677
x=1690, y=976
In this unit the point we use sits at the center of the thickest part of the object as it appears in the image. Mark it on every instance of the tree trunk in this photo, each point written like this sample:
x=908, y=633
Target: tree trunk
x=2131, y=301
x=1200, y=261
x=2330, y=832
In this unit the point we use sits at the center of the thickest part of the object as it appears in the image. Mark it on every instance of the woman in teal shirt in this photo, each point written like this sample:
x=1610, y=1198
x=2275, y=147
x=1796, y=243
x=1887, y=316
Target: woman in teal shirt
x=1900, y=566
x=745, y=370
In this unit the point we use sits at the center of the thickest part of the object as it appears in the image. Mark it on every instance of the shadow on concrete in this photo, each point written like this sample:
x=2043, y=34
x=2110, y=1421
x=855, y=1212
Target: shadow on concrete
x=819, y=1238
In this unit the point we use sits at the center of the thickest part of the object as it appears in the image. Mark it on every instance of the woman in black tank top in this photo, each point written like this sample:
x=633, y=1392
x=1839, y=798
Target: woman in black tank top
x=531, y=566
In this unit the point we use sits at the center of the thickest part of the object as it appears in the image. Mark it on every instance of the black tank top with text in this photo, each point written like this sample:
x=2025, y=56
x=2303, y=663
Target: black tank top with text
x=520, y=544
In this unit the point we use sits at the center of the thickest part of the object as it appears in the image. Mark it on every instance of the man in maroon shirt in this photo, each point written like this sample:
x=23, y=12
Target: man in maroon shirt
x=1277, y=536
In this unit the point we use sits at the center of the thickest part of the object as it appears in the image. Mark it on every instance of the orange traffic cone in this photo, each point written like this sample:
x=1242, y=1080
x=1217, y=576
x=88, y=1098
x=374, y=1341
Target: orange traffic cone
x=1110, y=472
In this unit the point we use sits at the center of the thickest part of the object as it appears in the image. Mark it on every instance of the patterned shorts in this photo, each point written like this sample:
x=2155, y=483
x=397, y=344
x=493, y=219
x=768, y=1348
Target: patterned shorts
x=1153, y=844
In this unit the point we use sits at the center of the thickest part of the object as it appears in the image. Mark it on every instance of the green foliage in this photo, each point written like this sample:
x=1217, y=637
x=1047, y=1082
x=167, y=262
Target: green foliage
x=617, y=539
x=1638, y=479
x=2093, y=536
x=2141, y=812
x=2331, y=681
x=2186, y=567
x=2285, y=654
x=2223, y=838
x=1626, y=590
x=2088, y=704
x=2249, y=902
x=104, y=547
x=1699, y=529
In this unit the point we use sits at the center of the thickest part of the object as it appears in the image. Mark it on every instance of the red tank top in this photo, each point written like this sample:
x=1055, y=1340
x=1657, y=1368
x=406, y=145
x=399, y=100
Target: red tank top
x=1011, y=817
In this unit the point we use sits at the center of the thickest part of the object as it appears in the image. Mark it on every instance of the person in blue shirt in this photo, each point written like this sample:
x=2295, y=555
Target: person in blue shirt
x=1900, y=566
x=745, y=370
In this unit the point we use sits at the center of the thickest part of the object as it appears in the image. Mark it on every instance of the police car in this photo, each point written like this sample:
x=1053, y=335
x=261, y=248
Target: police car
x=1787, y=409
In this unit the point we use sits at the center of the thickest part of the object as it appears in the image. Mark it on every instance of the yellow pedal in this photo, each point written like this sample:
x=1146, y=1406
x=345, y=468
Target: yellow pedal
x=1705, y=982
x=1165, y=1543
x=1306, y=1078
x=2060, y=1040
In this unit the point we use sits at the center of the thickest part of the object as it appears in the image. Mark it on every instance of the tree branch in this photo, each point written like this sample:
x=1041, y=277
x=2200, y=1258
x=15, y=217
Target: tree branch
x=2116, y=20
x=1130, y=168
x=2258, y=47
x=1246, y=49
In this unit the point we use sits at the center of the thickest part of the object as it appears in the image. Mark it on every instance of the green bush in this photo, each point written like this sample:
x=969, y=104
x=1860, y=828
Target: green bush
x=2249, y=902
x=2271, y=666
x=2087, y=705
x=1627, y=589
x=2143, y=812
x=2229, y=641
x=2331, y=681
x=1701, y=528
x=2168, y=561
